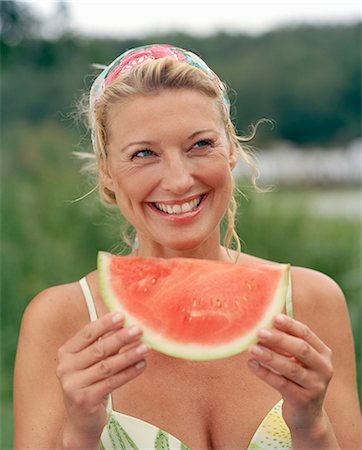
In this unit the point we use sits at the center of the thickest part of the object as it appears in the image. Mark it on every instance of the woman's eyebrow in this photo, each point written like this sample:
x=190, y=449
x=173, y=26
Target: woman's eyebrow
x=205, y=130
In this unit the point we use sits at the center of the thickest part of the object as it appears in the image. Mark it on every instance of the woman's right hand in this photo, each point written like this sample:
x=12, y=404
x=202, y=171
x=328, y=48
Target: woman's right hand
x=101, y=357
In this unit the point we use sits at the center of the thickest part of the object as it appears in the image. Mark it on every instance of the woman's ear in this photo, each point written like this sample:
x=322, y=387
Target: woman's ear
x=105, y=176
x=233, y=157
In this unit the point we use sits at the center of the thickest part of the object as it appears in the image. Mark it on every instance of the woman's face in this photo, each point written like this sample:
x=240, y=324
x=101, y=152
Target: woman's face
x=169, y=164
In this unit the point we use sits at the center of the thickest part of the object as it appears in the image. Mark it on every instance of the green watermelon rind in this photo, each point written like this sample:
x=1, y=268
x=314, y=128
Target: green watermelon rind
x=194, y=351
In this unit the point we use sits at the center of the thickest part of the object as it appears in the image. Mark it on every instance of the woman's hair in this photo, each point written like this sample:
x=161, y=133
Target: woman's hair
x=150, y=78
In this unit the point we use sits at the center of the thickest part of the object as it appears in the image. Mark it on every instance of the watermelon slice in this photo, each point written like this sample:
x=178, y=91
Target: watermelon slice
x=190, y=308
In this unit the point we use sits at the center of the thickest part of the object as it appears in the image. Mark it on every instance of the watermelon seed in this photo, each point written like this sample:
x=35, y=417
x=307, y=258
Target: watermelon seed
x=145, y=289
x=154, y=280
x=218, y=303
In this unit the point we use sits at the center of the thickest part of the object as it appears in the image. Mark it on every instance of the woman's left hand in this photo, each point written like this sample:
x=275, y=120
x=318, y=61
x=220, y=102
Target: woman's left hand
x=293, y=360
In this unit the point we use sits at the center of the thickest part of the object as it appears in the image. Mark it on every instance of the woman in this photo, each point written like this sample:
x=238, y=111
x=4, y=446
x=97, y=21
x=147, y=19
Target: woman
x=165, y=148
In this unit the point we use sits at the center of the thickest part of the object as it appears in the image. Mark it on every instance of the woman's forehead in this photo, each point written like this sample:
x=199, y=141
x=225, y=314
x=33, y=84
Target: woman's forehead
x=183, y=109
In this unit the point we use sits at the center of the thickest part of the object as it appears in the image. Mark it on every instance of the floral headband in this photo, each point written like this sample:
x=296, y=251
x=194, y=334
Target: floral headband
x=137, y=56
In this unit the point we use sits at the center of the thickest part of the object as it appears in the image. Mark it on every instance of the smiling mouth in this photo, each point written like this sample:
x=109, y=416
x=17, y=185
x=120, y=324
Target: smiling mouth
x=179, y=208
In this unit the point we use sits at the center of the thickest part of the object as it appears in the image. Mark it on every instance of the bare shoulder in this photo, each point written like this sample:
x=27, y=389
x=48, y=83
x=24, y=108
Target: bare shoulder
x=312, y=291
x=316, y=295
x=57, y=312
x=318, y=301
x=51, y=318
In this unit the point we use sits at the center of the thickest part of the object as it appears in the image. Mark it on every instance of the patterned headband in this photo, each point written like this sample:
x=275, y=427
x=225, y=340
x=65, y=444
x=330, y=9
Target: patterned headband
x=137, y=56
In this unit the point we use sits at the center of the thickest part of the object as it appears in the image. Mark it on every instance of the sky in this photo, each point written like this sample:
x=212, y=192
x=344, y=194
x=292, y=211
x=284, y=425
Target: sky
x=136, y=18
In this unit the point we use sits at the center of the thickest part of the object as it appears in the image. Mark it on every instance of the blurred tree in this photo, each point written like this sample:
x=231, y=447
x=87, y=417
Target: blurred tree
x=305, y=78
x=58, y=24
x=17, y=22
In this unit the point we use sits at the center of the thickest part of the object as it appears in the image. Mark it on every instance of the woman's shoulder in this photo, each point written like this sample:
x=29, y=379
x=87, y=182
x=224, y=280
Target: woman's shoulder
x=315, y=292
x=57, y=311
x=318, y=302
x=307, y=282
x=312, y=290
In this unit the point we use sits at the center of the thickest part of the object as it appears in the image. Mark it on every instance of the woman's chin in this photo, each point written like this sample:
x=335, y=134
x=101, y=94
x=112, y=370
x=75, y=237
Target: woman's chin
x=181, y=245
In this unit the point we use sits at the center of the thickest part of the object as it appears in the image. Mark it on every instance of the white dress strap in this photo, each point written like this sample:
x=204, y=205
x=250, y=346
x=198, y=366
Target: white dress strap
x=93, y=316
x=289, y=300
x=89, y=299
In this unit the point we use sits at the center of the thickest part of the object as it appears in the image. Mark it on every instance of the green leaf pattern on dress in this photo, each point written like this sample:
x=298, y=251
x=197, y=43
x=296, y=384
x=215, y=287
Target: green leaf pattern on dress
x=119, y=437
x=161, y=442
x=273, y=433
x=121, y=440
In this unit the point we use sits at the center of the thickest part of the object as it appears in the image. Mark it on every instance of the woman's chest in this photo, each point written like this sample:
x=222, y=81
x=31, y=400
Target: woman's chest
x=205, y=405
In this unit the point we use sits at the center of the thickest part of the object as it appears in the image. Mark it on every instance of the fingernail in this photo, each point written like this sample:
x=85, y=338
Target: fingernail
x=253, y=364
x=265, y=334
x=140, y=365
x=280, y=318
x=256, y=350
x=143, y=348
x=134, y=330
x=117, y=318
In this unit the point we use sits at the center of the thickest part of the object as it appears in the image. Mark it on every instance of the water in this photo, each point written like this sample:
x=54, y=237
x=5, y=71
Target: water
x=345, y=203
x=315, y=167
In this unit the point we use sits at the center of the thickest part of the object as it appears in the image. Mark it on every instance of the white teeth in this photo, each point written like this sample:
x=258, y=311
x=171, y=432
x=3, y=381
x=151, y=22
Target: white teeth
x=186, y=207
x=176, y=209
x=179, y=209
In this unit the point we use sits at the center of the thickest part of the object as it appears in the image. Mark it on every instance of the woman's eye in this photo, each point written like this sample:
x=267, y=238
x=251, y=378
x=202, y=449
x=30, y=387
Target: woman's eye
x=203, y=143
x=142, y=153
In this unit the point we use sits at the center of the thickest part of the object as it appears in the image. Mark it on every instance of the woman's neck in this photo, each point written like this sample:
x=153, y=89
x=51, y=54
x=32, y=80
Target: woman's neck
x=207, y=250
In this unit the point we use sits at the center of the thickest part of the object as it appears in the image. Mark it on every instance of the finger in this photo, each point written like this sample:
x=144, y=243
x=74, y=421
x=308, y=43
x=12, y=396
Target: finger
x=106, y=386
x=93, y=331
x=115, y=364
x=294, y=346
x=300, y=330
x=96, y=394
x=287, y=367
x=287, y=388
x=102, y=348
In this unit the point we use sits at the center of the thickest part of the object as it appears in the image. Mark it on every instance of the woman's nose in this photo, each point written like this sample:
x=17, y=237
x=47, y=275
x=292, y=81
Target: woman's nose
x=177, y=176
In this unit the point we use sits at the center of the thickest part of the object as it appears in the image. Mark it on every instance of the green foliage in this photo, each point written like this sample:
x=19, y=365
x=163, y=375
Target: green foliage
x=307, y=78
x=16, y=22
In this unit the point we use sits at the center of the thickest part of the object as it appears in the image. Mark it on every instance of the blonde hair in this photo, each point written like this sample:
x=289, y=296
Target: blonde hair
x=150, y=78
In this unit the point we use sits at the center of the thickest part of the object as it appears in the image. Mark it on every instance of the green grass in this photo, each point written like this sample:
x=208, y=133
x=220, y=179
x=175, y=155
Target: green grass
x=6, y=427
x=48, y=240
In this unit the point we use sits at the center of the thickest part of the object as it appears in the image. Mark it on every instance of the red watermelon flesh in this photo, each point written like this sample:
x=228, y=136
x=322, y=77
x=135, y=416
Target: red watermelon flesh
x=190, y=308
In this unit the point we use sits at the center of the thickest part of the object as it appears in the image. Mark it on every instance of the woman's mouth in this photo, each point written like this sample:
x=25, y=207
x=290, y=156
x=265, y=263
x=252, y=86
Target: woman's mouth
x=179, y=208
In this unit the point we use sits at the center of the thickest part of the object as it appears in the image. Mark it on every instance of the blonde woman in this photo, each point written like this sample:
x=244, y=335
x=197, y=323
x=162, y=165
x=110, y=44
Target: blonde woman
x=164, y=150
